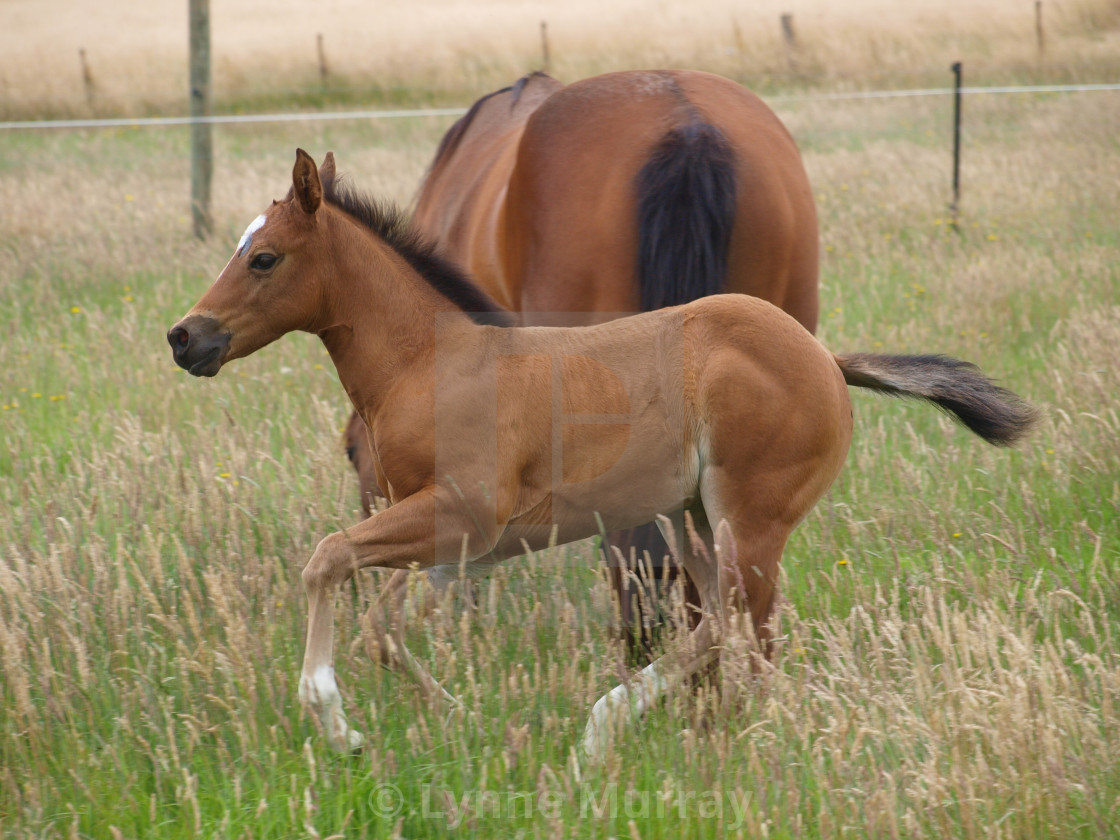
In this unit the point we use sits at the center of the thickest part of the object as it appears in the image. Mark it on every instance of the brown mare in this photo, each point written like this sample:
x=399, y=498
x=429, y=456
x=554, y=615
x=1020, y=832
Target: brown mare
x=620, y=193
x=491, y=439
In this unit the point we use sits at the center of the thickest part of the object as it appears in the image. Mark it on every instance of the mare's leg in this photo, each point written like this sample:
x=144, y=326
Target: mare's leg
x=642, y=588
x=399, y=538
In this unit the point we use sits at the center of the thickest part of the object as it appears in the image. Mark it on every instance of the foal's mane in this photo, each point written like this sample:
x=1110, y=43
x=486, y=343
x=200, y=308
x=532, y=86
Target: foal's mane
x=389, y=223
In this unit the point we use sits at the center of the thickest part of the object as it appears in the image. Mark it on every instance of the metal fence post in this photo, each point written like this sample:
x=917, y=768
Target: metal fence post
x=955, y=206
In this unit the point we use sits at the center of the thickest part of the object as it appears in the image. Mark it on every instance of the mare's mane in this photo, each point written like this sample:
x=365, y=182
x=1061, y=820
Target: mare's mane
x=454, y=135
x=389, y=223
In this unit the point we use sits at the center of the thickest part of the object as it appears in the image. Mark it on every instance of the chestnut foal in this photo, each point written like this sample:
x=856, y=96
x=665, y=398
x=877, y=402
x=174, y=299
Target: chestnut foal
x=493, y=439
x=675, y=184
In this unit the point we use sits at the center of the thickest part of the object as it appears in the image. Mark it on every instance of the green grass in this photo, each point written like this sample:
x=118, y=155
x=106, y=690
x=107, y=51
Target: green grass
x=948, y=663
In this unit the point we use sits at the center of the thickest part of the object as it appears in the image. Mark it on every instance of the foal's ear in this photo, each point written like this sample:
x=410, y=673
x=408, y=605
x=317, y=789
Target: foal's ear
x=306, y=185
x=326, y=171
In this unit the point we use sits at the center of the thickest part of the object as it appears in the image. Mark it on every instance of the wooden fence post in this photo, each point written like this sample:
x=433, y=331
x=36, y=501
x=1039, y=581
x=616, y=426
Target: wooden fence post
x=1039, y=32
x=323, y=72
x=740, y=50
x=789, y=38
x=202, y=141
x=87, y=77
x=546, y=66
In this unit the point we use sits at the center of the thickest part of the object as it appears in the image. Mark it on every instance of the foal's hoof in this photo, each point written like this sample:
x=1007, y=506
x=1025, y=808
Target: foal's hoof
x=597, y=736
x=594, y=749
x=609, y=715
x=349, y=744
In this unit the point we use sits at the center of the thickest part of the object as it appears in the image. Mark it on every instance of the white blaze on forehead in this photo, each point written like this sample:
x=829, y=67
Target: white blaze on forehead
x=247, y=237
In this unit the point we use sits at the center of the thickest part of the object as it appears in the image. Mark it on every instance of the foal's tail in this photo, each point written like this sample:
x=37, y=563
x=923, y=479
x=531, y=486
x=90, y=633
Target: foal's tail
x=686, y=212
x=956, y=387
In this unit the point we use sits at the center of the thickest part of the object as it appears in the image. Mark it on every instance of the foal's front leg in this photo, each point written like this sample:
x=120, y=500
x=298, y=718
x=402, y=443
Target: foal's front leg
x=401, y=537
x=317, y=687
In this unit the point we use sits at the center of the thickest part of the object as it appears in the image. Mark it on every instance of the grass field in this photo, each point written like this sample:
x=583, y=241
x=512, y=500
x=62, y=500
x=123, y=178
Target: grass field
x=949, y=663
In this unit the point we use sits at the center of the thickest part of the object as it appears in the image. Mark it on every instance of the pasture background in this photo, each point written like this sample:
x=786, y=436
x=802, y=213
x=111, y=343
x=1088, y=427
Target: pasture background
x=949, y=664
x=448, y=51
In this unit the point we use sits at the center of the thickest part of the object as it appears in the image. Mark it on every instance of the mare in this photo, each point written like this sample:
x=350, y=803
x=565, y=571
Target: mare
x=620, y=193
x=725, y=409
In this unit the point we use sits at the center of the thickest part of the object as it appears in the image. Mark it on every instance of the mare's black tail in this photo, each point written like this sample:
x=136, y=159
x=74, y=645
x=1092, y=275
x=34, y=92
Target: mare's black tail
x=686, y=212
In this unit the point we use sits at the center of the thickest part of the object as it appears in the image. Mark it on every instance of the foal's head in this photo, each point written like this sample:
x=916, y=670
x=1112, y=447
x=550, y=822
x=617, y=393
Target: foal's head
x=273, y=284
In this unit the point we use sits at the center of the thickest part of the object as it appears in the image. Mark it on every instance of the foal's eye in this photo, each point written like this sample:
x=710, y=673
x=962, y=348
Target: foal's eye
x=263, y=262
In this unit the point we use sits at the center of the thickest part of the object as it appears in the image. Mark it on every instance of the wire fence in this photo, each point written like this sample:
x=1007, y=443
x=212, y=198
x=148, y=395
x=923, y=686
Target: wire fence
x=412, y=113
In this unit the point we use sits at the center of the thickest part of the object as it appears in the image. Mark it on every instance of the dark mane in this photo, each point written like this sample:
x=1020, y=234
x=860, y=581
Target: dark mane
x=454, y=134
x=390, y=224
x=450, y=140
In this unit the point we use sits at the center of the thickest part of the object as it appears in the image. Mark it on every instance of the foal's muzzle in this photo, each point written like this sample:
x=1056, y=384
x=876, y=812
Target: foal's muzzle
x=197, y=345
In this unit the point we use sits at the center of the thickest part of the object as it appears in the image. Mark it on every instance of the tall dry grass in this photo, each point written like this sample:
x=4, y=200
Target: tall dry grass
x=265, y=53
x=948, y=662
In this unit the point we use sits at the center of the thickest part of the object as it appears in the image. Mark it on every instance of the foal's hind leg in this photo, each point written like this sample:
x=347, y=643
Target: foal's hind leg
x=389, y=615
x=695, y=652
x=387, y=618
x=740, y=575
x=750, y=562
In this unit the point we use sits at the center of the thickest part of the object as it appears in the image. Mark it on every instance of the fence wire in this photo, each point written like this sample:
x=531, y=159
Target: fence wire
x=413, y=113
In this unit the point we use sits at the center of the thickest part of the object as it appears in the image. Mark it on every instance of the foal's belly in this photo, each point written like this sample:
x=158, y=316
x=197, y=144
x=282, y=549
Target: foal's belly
x=646, y=480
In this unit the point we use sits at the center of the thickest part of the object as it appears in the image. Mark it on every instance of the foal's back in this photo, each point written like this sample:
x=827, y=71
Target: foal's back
x=611, y=425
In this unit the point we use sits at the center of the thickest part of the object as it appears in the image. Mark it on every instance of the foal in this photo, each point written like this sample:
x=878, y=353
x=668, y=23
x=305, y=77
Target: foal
x=489, y=439
x=676, y=184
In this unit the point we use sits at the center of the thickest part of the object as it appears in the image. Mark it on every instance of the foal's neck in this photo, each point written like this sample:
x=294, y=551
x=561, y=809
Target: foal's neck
x=382, y=319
